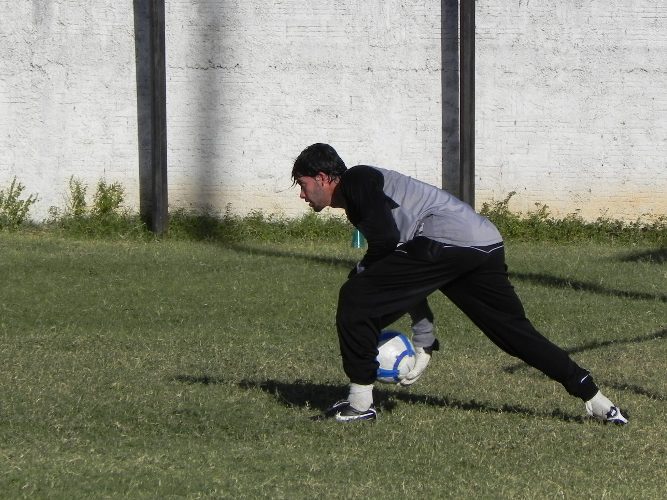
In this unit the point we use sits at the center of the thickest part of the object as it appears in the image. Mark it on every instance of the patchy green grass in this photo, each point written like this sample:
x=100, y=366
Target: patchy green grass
x=151, y=369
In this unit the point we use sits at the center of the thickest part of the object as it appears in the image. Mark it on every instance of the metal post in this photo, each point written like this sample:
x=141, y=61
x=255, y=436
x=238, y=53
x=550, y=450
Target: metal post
x=467, y=101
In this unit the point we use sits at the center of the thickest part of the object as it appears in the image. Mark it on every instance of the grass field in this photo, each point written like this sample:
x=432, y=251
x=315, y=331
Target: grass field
x=190, y=370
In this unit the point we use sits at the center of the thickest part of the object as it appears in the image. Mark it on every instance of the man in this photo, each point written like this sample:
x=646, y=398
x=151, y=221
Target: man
x=422, y=239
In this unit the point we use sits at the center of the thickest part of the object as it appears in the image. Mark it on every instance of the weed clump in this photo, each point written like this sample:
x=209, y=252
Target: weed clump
x=104, y=218
x=540, y=225
x=13, y=208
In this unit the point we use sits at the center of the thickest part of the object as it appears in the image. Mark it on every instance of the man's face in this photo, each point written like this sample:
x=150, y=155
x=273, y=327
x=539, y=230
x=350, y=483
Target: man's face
x=316, y=191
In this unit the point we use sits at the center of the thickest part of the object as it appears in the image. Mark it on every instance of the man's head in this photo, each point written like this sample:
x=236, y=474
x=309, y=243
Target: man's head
x=317, y=171
x=318, y=158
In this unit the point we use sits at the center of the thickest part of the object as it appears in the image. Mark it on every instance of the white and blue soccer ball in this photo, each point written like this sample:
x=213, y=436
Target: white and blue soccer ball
x=396, y=356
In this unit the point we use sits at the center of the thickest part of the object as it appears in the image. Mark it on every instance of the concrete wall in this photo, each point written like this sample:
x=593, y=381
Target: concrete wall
x=572, y=105
x=571, y=98
x=252, y=83
x=67, y=96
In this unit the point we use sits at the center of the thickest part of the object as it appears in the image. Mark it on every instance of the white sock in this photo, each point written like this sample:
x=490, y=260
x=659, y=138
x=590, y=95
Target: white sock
x=361, y=396
x=599, y=405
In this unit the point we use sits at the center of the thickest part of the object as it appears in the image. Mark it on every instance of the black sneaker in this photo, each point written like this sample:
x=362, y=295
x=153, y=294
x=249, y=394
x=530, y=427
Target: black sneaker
x=341, y=411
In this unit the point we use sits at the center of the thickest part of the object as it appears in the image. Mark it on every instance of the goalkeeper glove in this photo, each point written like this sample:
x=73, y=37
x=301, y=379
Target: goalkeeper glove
x=423, y=355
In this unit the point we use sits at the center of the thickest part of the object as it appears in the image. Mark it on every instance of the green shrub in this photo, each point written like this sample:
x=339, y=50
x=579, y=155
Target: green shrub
x=13, y=209
x=107, y=200
x=76, y=205
x=541, y=225
x=104, y=218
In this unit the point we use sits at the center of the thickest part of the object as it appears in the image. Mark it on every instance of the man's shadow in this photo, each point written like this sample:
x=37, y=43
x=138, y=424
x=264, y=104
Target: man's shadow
x=319, y=397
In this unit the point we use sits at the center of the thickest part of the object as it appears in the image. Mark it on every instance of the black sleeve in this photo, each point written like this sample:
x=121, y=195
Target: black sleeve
x=369, y=210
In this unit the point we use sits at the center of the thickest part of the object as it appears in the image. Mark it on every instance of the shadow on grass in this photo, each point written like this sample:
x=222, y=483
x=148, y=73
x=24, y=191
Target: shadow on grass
x=583, y=286
x=599, y=344
x=655, y=256
x=319, y=397
x=635, y=389
x=319, y=259
x=198, y=379
x=546, y=280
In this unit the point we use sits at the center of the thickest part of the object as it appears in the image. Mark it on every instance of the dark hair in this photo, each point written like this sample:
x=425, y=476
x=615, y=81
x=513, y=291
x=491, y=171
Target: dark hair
x=318, y=158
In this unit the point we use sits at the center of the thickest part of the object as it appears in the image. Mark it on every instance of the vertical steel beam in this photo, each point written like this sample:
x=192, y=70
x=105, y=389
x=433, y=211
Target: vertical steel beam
x=467, y=101
x=158, y=82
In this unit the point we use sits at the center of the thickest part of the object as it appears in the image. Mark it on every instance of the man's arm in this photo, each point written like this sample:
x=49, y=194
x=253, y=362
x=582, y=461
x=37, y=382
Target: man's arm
x=369, y=210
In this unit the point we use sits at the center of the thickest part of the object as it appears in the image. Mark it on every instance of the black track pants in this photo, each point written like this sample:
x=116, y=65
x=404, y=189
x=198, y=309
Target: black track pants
x=474, y=279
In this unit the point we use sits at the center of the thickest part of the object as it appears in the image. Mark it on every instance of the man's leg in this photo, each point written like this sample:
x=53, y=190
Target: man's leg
x=488, y=298
x=381, y=294
x=367, y=303
x=476, y=281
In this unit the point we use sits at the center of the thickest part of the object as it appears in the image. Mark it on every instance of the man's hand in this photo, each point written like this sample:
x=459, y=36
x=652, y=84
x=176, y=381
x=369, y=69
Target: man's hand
x=423, y=355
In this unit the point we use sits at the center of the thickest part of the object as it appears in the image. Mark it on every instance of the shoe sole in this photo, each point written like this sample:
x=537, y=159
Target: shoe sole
x=366, y=416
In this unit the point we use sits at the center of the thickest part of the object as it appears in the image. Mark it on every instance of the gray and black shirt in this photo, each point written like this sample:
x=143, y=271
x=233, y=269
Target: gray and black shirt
x=390, y=208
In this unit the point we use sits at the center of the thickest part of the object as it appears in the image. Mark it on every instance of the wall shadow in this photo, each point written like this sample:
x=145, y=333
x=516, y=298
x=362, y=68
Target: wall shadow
x=207, y=81
x=204, y=87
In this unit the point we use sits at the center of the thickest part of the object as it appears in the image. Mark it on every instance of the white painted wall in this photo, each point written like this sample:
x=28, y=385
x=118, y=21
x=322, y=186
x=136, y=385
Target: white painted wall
x=572, y=105
x=252, y=83
x=571, y=98
x=67, y=96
